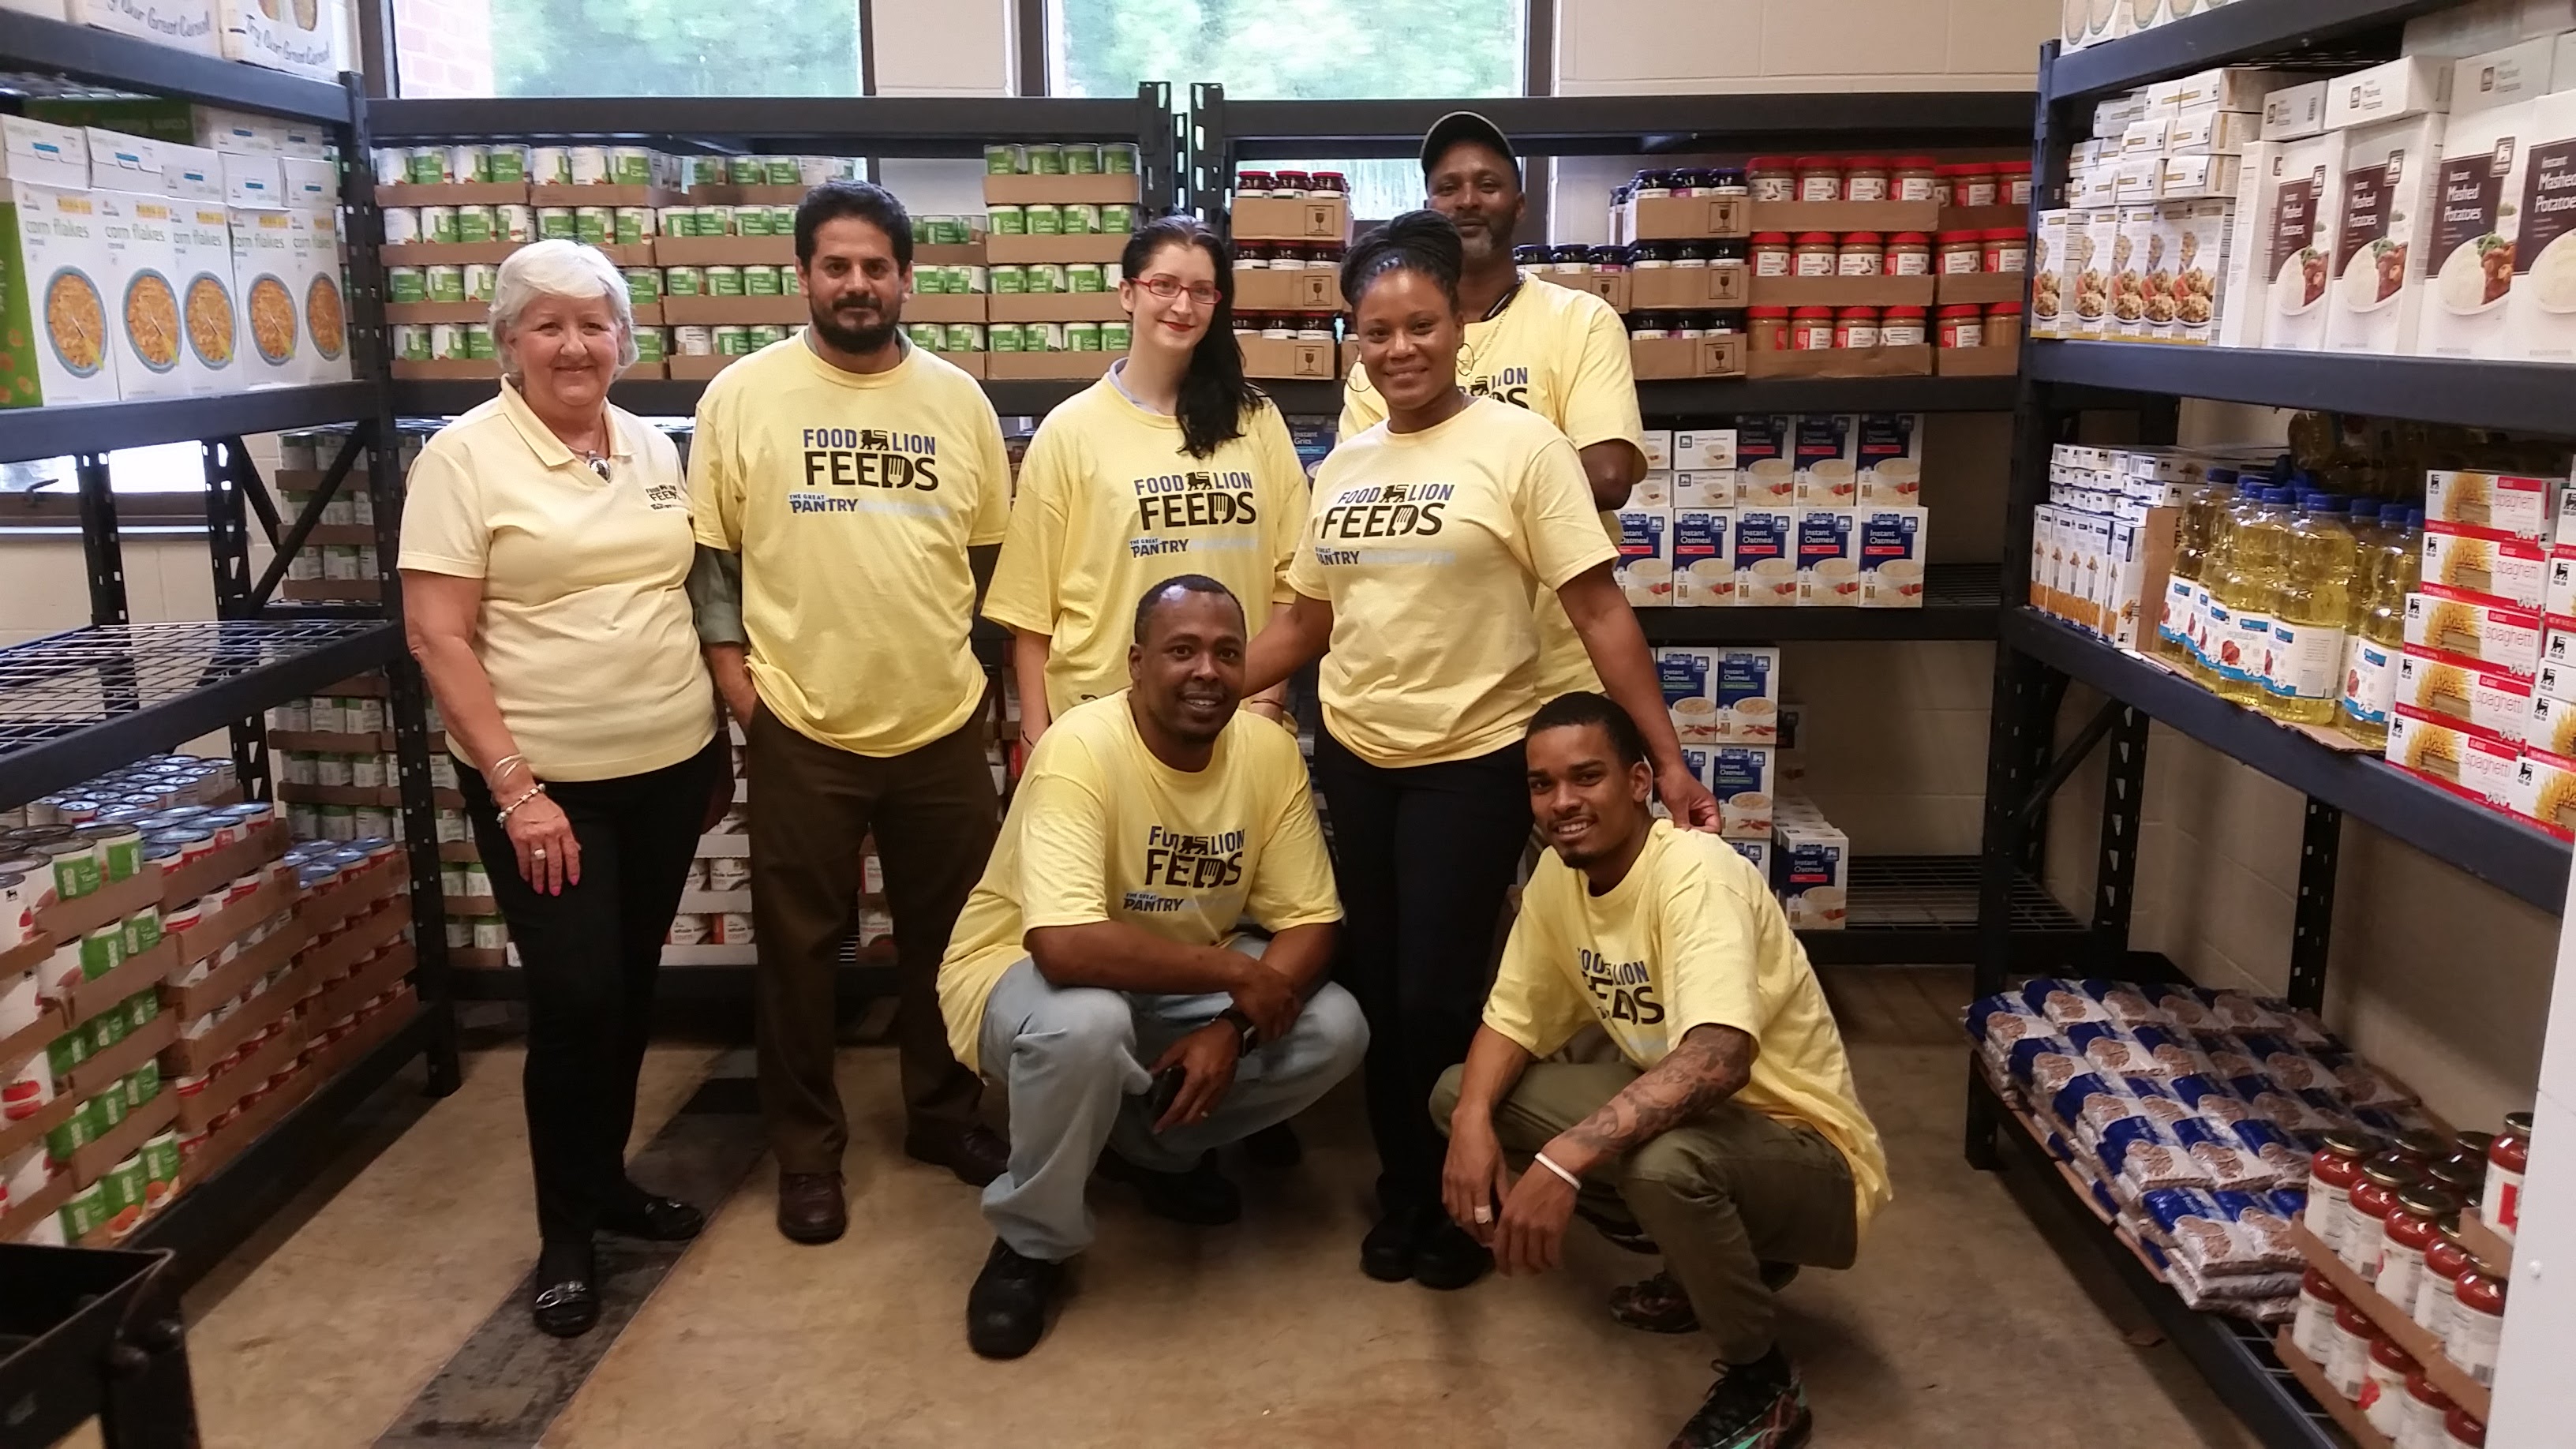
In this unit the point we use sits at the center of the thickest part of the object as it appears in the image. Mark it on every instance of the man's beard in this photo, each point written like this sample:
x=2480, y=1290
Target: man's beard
x=844, y=338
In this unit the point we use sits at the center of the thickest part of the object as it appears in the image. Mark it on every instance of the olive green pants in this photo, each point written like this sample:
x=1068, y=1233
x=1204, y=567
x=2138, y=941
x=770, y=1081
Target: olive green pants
x=1720, y=1196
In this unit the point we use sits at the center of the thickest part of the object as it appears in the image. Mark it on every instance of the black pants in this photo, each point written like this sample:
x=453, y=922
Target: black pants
x=589, y=957
x=1423, y=857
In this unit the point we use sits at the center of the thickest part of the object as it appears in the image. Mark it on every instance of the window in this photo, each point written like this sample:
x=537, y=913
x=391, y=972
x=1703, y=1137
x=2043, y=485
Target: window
x=627, y=47
x=1308, y=50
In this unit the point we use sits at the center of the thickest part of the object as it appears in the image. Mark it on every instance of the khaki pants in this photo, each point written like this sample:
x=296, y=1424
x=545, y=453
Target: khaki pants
x=1720, y=1196
x=932, y=811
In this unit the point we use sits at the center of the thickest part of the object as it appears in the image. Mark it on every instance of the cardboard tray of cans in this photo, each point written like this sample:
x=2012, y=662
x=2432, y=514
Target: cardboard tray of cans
x=139, y=972
x=1877, y=216
x=2312, y=1376
x=467, y=193
x=1685, y=218
x=1845, y=361
x=729, y=193
x=1041, y=366
x=919, y=307
x=190, y=1055
x=324, y=1062
x=1000, y=250
x=1281, y=357
x=1611, y=287
x=1980, y=287
x=326, y=911
x=139, y=1046
x=943, y=254
x=1839, y=291
x=415, y=312
x=375, y=742
x=187, y=1003
x=440, y=370
x=342, y=998
x=2398, y=1323
x=448, y=254
x=2483, y=1241
x=1057, y=189
x=1983, y=218
x=91, y=1161
x=1653, y=289
x=1663, y=358
x=570, y=194
x=1058, y=307
x=721, y=251
x=276, y=1054
x=29, y=1131
x=1266, y=289
x=1976, y=361
x=46, y=1201
x=794, y=311
x=1288, y=218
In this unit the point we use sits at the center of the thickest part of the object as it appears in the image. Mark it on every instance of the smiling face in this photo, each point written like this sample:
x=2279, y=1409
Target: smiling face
x=563, y=351
x=1409, y=334
x=1171, y=324
x=1479, y=189
x=1588, y=804
x=853, y=286
x=1187, y=663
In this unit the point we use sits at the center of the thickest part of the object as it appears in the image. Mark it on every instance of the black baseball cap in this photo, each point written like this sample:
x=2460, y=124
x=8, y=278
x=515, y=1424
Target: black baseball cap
x=1458, y=126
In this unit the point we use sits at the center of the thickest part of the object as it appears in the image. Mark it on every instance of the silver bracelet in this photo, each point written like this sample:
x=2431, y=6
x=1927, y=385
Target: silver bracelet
x=534, y=791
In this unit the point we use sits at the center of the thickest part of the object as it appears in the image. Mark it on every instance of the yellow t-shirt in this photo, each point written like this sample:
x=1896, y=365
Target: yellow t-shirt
x=1692, y=937
x=1100, y=830
x=1431, y=546
x=1563, y=355
x=852, y=499
x=1110, y=505
x=585, y=630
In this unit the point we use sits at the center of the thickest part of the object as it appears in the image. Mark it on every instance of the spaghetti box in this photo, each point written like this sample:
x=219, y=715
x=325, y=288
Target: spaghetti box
x=1703, y=569
x=2476, y=628
x=1765, y=473
x=1740, y=776
x=2493, y=565
x=1811, y=870
x=1823, y=451
x=2434, y=749
x=2457, y=692
x=1765, y=544
x=2543, y=791
x=1887, y=449
x=1828, y=558
x=1891, y=546
x=1645, y=566
x=2552, y=726
x=1703, y=449
x=2501, y=502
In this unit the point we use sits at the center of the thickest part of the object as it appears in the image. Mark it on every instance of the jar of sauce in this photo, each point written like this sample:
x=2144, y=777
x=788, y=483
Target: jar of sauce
x=1527, y=258
x=1609, y=259
x=1290, y=183
x=1771, y=178
x=2383, y=1385
x=1653, y=185
x=2460, y=1175
x=1817, y=254
x=1772, y=256
x=1651, y=256
x=1820, y=178
x=2347, y=1361
x=1692, y=253
x=1865, y=178
x=1909, y=254
x=2374, y=1196
x=1860, y=254
x=1962, y=324
x=2459, y=1431
x=2332, y=1171
x=1856, y=327
x=1727, y=249
x=2437, y=1287
x=2312, y=1330
x=2508, y=1157
x=2012, y=183
x=1252, y=183
x=2006, y=249
x=1768, y=328
x=1722, y=181
x=1902, y=327
x=1910, y=178
x=2421, y=1148
x=1649, y=326
x=2420, y=1427
x=1279, y=326
x=2477, y=1320
x=1327, y=185
x=1962, y=253
x=2405, y=1234
x=1945, y=184
x=1575, y=258
x=1726, y=323
x=1973, y=184
x=1811, y=329
x=2003, y=324
x=1252, y=256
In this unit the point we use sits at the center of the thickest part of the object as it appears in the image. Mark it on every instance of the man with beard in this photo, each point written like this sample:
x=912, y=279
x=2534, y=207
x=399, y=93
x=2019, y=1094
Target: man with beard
x=1728, y=1135
x=1098, y=971
x=1560, y=353
x=848, y=494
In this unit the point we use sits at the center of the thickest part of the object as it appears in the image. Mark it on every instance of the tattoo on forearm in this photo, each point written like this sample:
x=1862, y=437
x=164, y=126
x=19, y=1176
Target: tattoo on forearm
x=1710, y=1065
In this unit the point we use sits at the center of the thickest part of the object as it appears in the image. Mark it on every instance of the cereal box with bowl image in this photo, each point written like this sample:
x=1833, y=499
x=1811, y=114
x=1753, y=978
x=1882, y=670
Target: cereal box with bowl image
x=1828, y=558
x=1765, y=551
x=324, y=346
x=54, y=305
x=1891, y=543
x=143, y=301
x=1645, y=565
x=1810, y=869
x=2383, y=234
x=264, y=275
x=1766, y=475
x=1740, y=776
x=1703, y=558
x=209, y=315
x=1887, y=453
x=1827, y=467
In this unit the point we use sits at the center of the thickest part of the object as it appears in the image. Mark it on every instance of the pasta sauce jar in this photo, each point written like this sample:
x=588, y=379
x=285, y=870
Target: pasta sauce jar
x=2374, y=1197
x=2508, y=1157
x=2405, y=1234
x=2437, y=1287
x=2477, y=1321
x=2332, y=1171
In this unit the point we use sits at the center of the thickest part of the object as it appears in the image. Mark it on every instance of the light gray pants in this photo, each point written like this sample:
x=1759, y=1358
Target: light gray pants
x=1075, y=1060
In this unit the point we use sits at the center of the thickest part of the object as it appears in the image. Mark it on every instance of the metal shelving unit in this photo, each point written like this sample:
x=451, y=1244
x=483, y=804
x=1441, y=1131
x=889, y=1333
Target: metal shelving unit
x=2038, y=658
x=667, y=398
x=30, y=43
x=1960, y=601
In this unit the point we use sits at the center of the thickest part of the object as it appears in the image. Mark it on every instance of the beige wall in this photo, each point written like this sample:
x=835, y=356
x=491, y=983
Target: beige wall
x=1648, y=47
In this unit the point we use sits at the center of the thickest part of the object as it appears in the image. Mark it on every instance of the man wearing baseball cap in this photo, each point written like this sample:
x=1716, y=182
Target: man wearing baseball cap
x=1558, y=352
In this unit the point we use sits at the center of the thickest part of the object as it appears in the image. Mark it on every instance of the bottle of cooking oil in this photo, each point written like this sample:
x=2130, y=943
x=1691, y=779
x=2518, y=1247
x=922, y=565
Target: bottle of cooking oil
x=2240, y=610
x=2379, y=626
x=2312, y=608
x=2233, y=499
x=2191, y=557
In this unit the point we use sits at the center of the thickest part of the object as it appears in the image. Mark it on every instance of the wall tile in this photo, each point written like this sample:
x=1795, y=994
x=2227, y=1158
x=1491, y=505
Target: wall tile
x=1999, y=35
x=1853, y=37
x=1657, y=45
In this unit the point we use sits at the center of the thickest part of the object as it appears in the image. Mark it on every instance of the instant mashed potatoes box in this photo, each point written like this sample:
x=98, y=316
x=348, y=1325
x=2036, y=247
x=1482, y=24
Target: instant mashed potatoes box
x=2542, y=322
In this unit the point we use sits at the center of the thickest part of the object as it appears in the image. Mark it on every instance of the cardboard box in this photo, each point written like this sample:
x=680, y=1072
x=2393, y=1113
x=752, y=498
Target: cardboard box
x=1266, y=218
x=56, y=309
x=2543, y=791
x=191, y=173
x=270, y=323
x=2541, y=321
x=1758, y=852
x=1696, y=449
x=1703, y=561
x=2383, y=234
x=1766, y=555
x=253, y=180
x=2207, y=130
x=2413, y=85
x=2485, y=566
x=1688, y=677
x=1668, y=358
x=2200, y=178
x=118, y=162
x=2434, y=751
x=2500, y=502
x=2092, y=262
x=2133, y=247
x=322, y=298
x=1743, y=778
x=1766, y=472
x=1280, y=357
x=1686, y=289
x=2294, y=113
x=1654, y=490
x=1681, y=218
x=2509, y=75
x=1657, y=445
x=2301, y=202
x=2552, y=728
x=202, y=269
x=2475, y=628
x=1892, y=541
x=2047, y=264
x=2477, y=279
x=187, y=25
x=1645, y=566
x=2228, y=88
x=1828, y=558
x=143, y=302
x=2460, y=692
x=301, y=38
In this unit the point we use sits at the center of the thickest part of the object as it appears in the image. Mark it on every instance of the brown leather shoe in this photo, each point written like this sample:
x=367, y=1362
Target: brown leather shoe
x=810, y=1207
x=977, y=1155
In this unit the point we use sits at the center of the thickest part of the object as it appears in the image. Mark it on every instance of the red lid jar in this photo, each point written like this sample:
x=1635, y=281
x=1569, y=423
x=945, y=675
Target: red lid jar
x=2382, y=1178
x=1816, y=254
x=1769, y=328
x=2383, y=1385
x=2003, y=324
x=1860, y=254
x=2425, y=1406
x=1973, y=183
x=2347, y=1361
x=1909, y=178
x=1856, y=327
x=2006, y=249
x=1962, y=324
x=2508, y=1157
x=2012, y=183
x=1771, y=178
x=1820, y=178
x=1902, y=327
x=2312, y=1330
x=1811, y=329
x=1962, y=253
x=2332, y=1170
x=1865, y=178
x=1909, y=254
x=1771, y=254
x=2437, y=1289
x=2405, y=1235
x=2477, y=1321
x=2459, y=1431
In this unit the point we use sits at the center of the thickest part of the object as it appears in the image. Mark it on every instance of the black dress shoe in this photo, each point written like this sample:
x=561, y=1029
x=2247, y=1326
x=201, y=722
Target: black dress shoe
x=1444, y=1257
x=566, y=1304
x=1200, y=1196
x=1275, y=1146
x=654, y=1219
x=810, y=1207
x=977, y=1155
x=1386, y=1254
x=1006, y=1309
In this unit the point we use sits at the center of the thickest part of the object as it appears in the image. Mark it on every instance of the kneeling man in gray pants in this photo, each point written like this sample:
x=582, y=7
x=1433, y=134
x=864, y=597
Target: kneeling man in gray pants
x=1097, y=972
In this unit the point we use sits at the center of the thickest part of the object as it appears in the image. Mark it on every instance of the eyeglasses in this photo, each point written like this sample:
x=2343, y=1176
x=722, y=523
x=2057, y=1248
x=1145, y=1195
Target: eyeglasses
x=1167, y=288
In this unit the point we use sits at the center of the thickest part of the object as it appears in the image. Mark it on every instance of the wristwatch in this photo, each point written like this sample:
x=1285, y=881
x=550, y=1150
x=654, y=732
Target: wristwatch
x=1245, y=1033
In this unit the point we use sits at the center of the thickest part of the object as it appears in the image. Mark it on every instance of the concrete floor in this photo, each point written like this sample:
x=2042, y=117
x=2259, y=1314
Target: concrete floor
x=1958, y=1327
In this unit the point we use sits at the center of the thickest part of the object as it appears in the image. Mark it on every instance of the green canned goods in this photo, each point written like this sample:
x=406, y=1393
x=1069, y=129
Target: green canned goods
x=965, y=337
x=782, y=221
x=87, y=1211
x=693, y=342
x=1046, y=277
x=766, y=334
x=411, y=342
x=678, y=220
x=427, y=166
x=715, y=221
x=1042, y=337
x=649, y=346
x=643, y=286
x=635, y=224
x=921, y=231
x=929, y=279
x=405, y=284
x=446, y=284
x=161, y=1158
x=1082, y=336
x=977, y=280
x=438, y=224
x=1043, y=219
x=482, y=282
x=1007, y=278
x=1078, y=218
x=474, y=224
x=142, y=931
x=784, y=171
x=789, y=283
x=1001, y=218
x=507, y=162
x=925, y=335
x=1046, y=159
x=555, y=223
x=102, y=949
x=746, y=170
x=144, y=1082
x=760, y=281
x=950, y=231
x=706, y=170
x=447, y=342
x=747, y=220
x=1115, y=336
x=1081, y=158
x=684, y=281
x=630, y=166
x=478, y=346
x=1117, y=217
x=1119, y=159
x=733, y=341
x=1005, y=161
x=724, y=281
x=1084, y=277
x=1002, y=336
x=512, y=222
x=593, y=225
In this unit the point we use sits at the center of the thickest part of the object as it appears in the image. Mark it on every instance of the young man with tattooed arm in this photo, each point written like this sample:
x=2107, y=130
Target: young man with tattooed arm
x=1727, y=1136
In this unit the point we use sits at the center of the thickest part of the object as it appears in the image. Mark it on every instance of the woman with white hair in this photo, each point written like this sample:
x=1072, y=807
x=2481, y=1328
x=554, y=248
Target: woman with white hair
x=545, y=553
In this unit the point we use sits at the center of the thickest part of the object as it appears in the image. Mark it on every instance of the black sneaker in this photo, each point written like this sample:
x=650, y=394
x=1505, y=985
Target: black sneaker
x=1759, y=1405
x=1444, y=1257
x=1386, y=1254
x=1006, y=1309
x=1200, y=1196
x=1654, y=1305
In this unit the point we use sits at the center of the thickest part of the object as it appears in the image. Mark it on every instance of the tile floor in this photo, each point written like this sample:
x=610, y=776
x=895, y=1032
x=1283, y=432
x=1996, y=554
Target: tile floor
x=1958, y=1327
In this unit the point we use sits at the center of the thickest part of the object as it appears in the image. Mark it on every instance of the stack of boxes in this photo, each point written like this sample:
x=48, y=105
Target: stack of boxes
x=1779, y=511
x=2102, y=545
x=1726, y=711
x=137, y=266
x=302, y=39
x=1287, y=275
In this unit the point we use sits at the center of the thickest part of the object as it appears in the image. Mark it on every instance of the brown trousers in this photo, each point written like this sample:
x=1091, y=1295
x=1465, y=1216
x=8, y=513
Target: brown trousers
x=812, y=806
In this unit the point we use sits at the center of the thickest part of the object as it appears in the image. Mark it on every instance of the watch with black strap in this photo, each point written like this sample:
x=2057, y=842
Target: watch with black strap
x=1246, y=1035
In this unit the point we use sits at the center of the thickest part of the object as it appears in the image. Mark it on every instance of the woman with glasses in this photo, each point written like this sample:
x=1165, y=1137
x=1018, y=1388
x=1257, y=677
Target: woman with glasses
x=1171, y=464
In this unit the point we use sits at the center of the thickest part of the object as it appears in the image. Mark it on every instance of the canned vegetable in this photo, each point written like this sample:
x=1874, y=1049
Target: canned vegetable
x=684, y=281
x=1078, y=218
x=1005, y=160
x=1046, y=159
x=402, y=225
x=1084, y=277
x=724, y=281
x=593, y=225
x=693, y=341
x=555, y=223
x=965, y=337
x=766, y=334
x=474, y=224
x=406, y=284
x=634, y=224
x=482, y=283
x=438, y=224
x=1007, y=278
x=446, y=284
x=760, y=281
x=506, y=162
x=643, y=286
x=1115, y=336
x=1002, y=336
x=1042, y=219
x=733, y=341
x=587, y=165
x=1002, y=218
x=512, y=222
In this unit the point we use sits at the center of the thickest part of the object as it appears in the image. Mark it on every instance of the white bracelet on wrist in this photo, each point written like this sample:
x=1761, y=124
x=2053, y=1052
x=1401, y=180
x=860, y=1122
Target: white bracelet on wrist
x=1550, y=1164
